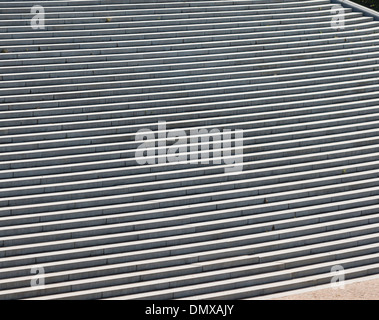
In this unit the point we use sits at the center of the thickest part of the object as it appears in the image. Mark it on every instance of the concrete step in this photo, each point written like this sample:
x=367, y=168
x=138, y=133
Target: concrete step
x=131, y=292
x=149, y=46
x=122, y=175
x=302, y=126
x=288, y=285
x=151, y=87
x=151, y=232
x=185, y=177
x=184, y=36
x=307, y=155
x=75, y=201
x=15, y=198
x=143, y=276
x=172, y=14
x=77, y=268
x=287, y=95
x=183, y=56
x=123, y=10
x=226, y=27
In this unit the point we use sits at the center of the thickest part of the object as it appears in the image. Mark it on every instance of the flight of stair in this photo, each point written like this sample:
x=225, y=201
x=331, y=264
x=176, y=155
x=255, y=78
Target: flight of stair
x=75, y=202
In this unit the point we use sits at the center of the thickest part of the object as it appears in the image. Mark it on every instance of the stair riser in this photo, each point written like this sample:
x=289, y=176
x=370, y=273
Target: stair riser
x=75, y=199
x=182, y=57
x=125, y=138
x=226, y=27
x=198, y=269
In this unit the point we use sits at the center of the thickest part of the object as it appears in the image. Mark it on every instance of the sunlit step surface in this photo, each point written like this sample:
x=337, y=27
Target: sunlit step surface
x=101, y=221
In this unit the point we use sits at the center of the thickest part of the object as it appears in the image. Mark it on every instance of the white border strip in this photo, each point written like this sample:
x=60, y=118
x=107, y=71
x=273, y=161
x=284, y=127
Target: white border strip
x=358, y=7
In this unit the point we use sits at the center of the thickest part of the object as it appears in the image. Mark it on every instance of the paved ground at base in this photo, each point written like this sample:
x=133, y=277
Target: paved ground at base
x=363, y=290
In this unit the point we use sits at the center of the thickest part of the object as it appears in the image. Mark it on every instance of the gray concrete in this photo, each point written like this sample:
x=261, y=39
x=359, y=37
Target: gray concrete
x=74, y=200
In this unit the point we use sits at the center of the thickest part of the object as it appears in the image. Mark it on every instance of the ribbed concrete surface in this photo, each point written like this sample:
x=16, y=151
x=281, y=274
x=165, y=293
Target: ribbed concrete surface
x=75, y=201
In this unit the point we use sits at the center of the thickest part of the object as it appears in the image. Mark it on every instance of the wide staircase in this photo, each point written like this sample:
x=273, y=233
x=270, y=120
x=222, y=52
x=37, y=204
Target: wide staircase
x=75, y=201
